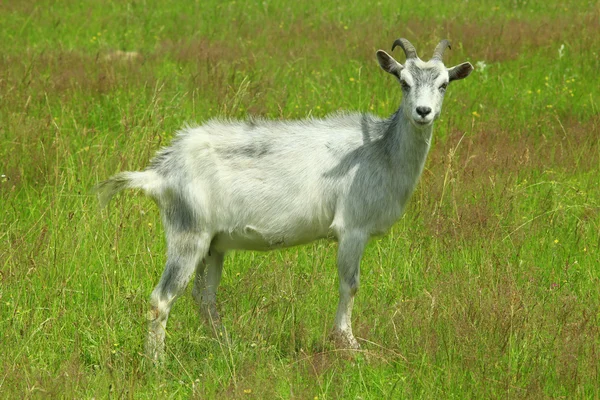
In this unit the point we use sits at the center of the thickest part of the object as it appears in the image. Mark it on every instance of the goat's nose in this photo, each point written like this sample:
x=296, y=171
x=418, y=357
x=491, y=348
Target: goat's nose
x=423, y=111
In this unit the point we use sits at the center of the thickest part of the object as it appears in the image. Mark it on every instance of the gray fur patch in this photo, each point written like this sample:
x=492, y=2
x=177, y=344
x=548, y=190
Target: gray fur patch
x=168, y=276
x=178, y=213
x=252, y=150
x=375, y=147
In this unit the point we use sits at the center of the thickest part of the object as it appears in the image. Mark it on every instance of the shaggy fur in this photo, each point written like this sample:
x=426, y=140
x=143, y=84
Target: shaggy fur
x=261, y=185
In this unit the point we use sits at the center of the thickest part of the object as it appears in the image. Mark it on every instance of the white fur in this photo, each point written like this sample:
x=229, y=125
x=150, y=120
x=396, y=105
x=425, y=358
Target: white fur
x=259, y=185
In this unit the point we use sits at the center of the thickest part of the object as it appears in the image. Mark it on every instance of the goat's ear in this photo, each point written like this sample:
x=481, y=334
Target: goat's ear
x=388, y=64
x=460, y=71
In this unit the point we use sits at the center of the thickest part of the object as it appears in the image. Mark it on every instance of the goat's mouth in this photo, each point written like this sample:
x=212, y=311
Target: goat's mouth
x=422, y=123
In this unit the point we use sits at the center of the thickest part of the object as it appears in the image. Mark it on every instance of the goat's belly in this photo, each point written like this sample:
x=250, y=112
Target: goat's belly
x=251, y=238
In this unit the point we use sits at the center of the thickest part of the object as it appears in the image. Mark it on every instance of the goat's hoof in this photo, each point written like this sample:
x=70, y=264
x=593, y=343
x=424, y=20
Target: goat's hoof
x=211, y=318
x=213, y=322
x=344, y=340
x=156, y=354
x=219, y=332
x=155, y=341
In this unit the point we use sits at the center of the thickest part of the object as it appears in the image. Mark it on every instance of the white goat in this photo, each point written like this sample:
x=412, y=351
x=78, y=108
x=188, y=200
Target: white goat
x=260, y=185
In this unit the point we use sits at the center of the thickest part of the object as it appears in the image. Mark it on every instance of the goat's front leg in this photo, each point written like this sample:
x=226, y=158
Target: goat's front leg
x=350, y=250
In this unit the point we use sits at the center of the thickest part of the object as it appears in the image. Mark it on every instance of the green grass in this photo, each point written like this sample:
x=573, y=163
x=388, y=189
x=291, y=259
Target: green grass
x=486, y=288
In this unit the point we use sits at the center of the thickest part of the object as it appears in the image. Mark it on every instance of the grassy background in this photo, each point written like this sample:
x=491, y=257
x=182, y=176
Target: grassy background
x=488, y=287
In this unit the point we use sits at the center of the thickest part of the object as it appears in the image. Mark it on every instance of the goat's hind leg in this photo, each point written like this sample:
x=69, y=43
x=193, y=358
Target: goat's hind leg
x=184, y=251
x=208, y=277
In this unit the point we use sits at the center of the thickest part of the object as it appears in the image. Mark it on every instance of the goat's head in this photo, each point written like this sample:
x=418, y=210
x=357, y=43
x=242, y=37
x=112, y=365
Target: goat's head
x=423, y=83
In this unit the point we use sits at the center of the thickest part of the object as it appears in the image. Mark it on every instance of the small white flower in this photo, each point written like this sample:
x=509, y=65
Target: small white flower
x=561, y=51
x=481, y=66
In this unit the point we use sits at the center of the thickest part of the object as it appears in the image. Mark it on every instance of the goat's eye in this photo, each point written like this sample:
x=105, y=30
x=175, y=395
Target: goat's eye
x=443, y=87
x=404, y=85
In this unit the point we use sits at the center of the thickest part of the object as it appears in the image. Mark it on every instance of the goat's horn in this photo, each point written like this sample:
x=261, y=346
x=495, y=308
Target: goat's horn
x=438, y=53
x=408, y=48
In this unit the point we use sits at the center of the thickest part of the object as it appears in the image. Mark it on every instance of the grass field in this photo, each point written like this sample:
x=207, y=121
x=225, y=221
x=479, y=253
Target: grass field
x=488, y=287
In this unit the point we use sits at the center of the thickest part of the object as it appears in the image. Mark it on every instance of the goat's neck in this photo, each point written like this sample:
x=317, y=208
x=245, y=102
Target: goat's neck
x=408, y=147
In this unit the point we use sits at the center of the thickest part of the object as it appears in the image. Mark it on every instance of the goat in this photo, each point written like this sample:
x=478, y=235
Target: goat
x=261, y=185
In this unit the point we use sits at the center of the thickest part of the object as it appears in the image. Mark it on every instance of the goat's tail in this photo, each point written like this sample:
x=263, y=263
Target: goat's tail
x=149, y=181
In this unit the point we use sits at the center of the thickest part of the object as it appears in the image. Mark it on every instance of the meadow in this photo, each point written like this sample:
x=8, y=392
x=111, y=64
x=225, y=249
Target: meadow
x=488, y=287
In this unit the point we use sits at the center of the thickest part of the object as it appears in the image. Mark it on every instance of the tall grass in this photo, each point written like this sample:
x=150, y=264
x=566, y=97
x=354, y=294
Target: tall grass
x=487, y=287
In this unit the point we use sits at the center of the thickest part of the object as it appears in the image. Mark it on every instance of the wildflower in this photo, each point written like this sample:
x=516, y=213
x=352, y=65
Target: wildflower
x=549, y=106
x=475, y=114
x=481, y=65
x=247, y=391
x=352, y=79
x=555, y=241
x=561, y=50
